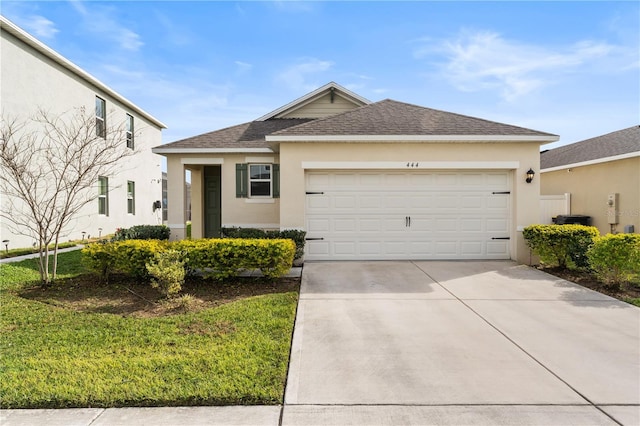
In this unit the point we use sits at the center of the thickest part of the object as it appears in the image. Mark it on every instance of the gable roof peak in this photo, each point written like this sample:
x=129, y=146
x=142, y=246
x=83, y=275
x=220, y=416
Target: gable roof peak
x=331, y=87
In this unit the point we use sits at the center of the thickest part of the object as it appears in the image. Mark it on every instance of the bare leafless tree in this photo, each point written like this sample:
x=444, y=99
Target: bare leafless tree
x=50, y=165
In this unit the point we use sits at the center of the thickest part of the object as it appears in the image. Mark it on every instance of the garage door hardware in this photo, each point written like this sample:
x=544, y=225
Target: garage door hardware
x=314, y=239
x=501, y=192
x=407, y=221
x=314, y=193
x=500, y=238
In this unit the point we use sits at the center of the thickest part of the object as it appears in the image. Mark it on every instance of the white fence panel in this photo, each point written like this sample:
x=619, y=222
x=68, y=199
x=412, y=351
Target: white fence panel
x=554, y=205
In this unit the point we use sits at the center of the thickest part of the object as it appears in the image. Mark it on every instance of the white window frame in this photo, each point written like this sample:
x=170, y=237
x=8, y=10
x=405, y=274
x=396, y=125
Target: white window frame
x=129, y=132
x=103, y=198
x=270, y=180
x=101, y=117
x=131, y=197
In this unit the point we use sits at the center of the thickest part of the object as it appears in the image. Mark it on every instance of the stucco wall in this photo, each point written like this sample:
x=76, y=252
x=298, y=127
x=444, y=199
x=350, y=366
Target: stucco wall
x=30, y=80
x=525, y=197
x=590, y=185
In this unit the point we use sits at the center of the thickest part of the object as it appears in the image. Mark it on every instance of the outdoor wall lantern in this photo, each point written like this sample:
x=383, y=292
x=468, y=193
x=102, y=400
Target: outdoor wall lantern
x=530, y=174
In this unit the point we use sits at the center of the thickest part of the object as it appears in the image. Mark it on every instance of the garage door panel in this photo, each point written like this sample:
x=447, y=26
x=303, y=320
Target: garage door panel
x=408, y=215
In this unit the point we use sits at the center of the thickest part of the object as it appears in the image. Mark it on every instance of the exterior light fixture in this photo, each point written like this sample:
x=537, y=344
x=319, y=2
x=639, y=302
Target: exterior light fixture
x=530, y=174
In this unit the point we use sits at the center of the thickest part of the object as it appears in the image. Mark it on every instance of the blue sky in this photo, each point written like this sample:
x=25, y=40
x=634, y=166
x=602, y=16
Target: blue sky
x=569, y=68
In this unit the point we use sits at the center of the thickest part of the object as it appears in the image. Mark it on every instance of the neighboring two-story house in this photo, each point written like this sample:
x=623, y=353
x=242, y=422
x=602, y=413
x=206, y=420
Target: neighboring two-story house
x=33, y=76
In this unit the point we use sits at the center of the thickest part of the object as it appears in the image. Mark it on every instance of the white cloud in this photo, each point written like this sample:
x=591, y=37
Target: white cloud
x=243, y=67
x=100, y=20
x=296, y=76
x=486, y=60
x=39, y=26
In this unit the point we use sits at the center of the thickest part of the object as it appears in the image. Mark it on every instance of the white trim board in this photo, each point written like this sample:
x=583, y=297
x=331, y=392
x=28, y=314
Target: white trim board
x=410, y=165
x=411, y=138
x=202, y=161
x=592, y=162
x=161, y=150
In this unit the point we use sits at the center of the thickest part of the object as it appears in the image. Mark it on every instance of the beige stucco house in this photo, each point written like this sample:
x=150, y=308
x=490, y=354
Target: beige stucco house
x=34, y=76
x=602, y=174
x=381, y=180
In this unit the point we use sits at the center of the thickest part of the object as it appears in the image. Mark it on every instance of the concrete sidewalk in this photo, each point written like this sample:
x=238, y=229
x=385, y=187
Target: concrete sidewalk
x=433, y=343
x=35, y=255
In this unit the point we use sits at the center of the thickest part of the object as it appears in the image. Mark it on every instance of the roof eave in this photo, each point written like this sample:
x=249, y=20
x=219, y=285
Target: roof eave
x=163, y=151
x=28, y=39
x=541, y=139
x=592, y=162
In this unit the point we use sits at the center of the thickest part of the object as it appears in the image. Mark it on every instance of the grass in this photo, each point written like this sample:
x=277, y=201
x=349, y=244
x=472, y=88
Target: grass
x=54, y=357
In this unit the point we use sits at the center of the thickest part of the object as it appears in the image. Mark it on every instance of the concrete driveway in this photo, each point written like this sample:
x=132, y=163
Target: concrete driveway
x=459, y=343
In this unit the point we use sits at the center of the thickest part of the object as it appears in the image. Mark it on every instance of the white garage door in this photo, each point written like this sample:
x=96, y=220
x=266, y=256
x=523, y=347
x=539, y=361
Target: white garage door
x=407, y=215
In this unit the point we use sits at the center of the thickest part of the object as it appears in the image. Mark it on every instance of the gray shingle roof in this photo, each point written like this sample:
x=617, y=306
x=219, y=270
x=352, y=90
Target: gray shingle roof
x=389, y=117
x=386, y=117
x=246, y=135
x=616, y=143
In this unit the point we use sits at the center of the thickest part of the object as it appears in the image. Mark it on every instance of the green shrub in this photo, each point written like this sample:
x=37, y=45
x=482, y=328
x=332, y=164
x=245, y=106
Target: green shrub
x=128, y=257
x=188, y=230
x=297, y=236
x=561, y=245
x=218, y=258
x=99, y=258
x=167, y=267
x=616, y=258
x=223, y=258
x=142, y=232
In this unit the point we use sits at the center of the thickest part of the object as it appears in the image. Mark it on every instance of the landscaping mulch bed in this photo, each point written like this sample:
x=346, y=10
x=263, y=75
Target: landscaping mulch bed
x=122, y=296
x=585, y=279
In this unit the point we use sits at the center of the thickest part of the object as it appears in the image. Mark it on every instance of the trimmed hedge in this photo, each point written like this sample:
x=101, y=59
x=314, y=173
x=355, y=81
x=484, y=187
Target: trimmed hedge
x=127, y=257
x=217, y=258
x=224, y=258
x=297, y=236
x=561, y=245
x=142, y=232
x=615, y=258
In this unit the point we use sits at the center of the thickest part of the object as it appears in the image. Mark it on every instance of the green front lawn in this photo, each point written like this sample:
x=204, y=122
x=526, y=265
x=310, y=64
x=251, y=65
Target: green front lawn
x=52, y=356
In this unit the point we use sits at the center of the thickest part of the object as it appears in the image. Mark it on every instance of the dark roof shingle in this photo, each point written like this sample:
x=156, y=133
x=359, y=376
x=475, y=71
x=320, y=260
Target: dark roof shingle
x=246, y=135
x=616, y=143
x=389, y=117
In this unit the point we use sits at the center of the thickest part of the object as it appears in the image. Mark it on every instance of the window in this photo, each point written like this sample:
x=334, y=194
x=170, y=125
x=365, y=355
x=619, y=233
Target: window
x=103, y=196
x=259, y=180
x=131, y=197
x=101, y=117
x=130, y=131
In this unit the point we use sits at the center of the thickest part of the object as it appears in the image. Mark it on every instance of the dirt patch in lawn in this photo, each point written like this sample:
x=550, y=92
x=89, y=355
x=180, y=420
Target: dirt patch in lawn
x=125, y=297
x=624, y=292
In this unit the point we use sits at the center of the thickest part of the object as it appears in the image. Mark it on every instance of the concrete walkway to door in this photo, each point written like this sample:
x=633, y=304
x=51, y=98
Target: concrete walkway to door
x=459, y=343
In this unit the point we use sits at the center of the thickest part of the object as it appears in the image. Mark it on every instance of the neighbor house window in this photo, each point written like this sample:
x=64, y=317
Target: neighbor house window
x=101, y=117
x=259, y=180
x=130, y=131
x=131, y=197
x=103, y=196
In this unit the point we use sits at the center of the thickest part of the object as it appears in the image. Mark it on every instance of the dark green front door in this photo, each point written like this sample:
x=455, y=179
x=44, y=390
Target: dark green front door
x=212, y=210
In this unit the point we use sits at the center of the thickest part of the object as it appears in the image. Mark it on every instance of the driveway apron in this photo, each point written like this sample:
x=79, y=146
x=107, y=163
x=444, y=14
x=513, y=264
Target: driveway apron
x=422, y=342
